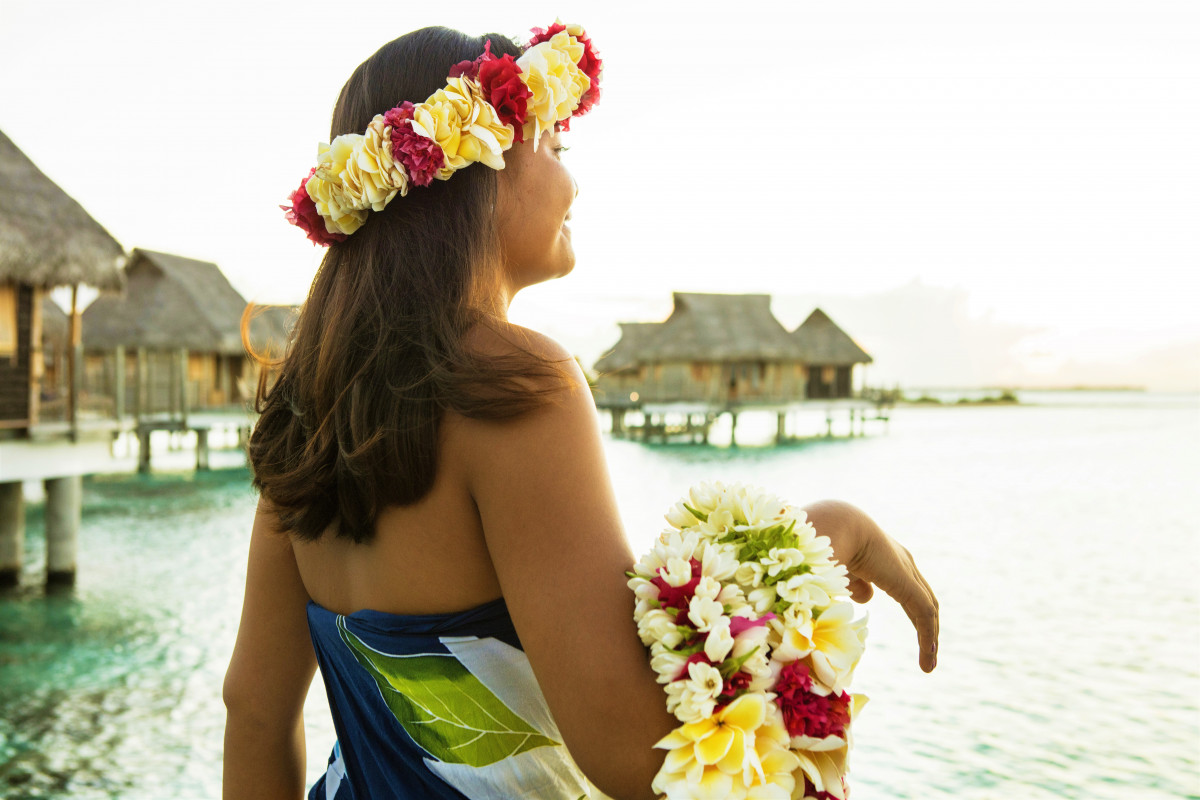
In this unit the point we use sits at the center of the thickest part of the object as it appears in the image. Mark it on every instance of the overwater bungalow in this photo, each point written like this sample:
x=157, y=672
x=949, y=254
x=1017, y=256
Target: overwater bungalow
x=712, y=349
x=47, y=240
x=829, y=356
x=724, y=353
x=171, y=343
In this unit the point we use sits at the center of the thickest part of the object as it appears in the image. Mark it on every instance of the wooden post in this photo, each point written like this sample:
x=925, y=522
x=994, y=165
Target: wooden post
x=780, y=426
x=733, y=429
x=828, y=423
x=143, y=434
x=64, y=506
x=119, y=382
x=140, y=403
x=37, y=357
x=73, y=347
x=183, y=386
x=12, y=533
x=201, y=448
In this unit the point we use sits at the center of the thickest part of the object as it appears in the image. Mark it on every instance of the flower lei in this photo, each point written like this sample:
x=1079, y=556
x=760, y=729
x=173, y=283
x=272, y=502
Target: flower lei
x=751, y=633
x=485, y=105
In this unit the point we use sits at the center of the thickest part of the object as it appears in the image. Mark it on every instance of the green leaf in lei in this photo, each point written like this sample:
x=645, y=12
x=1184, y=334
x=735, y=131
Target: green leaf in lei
x=445, y=708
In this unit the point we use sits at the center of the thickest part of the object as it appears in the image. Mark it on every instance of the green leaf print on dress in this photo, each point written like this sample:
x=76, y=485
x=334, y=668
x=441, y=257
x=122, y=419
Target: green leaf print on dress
x=444, y=708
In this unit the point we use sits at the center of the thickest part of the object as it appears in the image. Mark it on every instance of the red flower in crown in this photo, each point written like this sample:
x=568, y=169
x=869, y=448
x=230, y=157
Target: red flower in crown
x=303, y=214
x=500, y=83
x=421, y=157
x=589, y=63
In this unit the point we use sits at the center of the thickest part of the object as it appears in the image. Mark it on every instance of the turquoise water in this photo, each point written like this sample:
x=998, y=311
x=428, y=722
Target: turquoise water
x=1061, y=539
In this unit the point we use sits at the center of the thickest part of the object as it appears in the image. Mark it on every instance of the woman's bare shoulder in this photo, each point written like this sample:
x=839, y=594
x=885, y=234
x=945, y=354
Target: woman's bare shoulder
x=500, y=337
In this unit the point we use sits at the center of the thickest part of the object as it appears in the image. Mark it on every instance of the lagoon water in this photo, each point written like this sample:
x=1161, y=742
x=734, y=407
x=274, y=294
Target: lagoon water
x=1061, y=537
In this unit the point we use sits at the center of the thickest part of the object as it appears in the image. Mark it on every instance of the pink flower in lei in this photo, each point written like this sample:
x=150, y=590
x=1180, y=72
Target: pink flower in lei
x=421, y=157
x=303, y=214
x=806, y=713
x=590, y=64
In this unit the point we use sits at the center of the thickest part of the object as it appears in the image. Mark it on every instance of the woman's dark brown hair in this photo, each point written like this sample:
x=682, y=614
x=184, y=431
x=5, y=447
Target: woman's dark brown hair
x=349, y=420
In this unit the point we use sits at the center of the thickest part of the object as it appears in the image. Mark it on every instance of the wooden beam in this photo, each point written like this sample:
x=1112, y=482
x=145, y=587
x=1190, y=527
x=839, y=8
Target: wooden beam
x=73, y=348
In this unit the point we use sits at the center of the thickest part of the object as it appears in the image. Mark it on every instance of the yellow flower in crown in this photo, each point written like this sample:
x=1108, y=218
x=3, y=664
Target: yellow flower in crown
x=485, y=106
x=551, y=71
x=482, y=135
x=370, y=173
x=439, y=122
x=341, y=210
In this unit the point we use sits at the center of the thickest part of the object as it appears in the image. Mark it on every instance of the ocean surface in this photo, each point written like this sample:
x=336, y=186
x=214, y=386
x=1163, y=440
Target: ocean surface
x=1061, y=536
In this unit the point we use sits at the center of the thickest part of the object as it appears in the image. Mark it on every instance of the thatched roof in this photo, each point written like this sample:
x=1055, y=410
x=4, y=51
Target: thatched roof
x=46, y=238
x=711, y=327
x=626, y=353
x=175, y=302
x=822, y=342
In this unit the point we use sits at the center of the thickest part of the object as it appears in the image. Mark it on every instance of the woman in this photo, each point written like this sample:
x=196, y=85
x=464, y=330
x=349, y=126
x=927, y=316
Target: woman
x=434, y=489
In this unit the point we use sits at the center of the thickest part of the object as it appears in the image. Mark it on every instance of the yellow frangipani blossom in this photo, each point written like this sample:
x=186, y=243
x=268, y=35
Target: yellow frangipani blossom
x=724, y=741
x=481, y=136
x=370, y=173
x=551, y=72
x=339, y=210
x=838, y=643
x=439, y=121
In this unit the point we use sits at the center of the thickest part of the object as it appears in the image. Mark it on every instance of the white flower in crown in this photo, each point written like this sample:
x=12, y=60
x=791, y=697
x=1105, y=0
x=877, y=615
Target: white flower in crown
x=551, y=71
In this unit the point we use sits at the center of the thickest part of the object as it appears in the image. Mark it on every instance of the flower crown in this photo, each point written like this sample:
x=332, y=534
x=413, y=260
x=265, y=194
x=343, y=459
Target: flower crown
x=485, y=105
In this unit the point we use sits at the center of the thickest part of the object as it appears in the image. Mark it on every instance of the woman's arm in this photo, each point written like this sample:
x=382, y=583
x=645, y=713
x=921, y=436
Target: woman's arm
x=269, y=674
x=556, y=540
x=873, y=557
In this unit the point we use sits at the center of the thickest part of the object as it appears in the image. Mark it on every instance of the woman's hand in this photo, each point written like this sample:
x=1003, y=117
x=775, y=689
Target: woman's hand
x=873, y=557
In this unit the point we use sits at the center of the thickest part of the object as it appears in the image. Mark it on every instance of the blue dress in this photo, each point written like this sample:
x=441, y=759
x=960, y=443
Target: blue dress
x=436, y=706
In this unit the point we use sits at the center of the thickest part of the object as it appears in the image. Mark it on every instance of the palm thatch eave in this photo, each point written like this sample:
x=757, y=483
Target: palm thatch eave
x=47, y=238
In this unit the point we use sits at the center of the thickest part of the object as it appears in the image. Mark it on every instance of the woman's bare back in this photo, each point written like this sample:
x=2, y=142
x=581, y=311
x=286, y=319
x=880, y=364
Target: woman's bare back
x=430, y=557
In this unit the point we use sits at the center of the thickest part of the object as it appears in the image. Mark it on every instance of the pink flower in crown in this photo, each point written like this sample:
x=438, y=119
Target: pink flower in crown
x=806, y=713
x=421, y=157
x=590, y=64
x=303, y=214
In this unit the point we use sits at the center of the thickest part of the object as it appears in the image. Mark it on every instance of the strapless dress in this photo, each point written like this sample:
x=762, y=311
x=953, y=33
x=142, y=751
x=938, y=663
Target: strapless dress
x=436, y=706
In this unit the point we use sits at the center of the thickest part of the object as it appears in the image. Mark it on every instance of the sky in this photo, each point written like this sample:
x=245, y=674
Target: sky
x=980, y=193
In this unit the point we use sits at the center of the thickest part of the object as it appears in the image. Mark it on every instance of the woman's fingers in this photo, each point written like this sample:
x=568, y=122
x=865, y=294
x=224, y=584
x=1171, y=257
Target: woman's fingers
x=895, y=571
